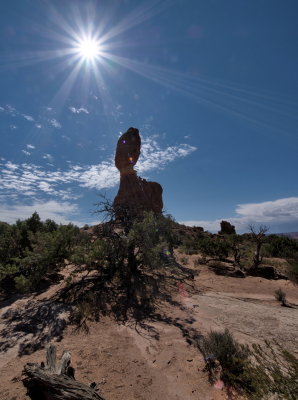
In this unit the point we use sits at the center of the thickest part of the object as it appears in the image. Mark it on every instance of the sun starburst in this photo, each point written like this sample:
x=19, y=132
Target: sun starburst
x=88, y=49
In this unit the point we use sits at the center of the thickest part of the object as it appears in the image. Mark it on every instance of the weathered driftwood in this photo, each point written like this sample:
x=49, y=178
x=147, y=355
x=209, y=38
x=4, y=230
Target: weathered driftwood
x=55, y=381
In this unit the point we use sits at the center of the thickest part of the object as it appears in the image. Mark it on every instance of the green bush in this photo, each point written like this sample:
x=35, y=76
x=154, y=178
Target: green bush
x=232, y=356
x=23, y=284
x=284, y=247
x=134, y=260
x=215, y=247
x=31, y=249
x=92, y=255
x=256, y=372
x=281, y=246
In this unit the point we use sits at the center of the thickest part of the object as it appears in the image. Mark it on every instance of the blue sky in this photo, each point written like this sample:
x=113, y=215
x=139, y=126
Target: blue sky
x=212, y=86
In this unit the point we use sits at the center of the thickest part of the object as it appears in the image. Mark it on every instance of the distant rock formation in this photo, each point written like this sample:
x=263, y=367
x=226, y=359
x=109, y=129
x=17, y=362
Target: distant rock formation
x=135, y=193
x=226, y=228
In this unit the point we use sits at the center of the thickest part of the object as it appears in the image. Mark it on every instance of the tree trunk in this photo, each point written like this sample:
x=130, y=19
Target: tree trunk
x=55, y=381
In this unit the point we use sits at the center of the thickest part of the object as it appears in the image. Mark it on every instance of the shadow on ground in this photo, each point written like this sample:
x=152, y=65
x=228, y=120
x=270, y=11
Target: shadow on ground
x=33, y=326
x=38, y=322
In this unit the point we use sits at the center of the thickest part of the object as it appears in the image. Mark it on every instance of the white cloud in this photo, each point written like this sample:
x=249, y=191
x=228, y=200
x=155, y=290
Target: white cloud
x=278, y=212
x=48, y=157
x=28, y=117
x=2, y=109
x=152, y=156
x=12, y=166
x=79, y=110
x=11, y=110
x=27, y=177
x=30, y=146
x=60, y=212
x=55, y=123
x=38, y=126
x=26, y=152
x=13, y=127
x=282, y=209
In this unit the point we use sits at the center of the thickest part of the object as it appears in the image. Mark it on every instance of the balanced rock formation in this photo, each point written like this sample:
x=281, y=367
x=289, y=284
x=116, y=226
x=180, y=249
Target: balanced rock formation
x=226, y=228
x=135, y=193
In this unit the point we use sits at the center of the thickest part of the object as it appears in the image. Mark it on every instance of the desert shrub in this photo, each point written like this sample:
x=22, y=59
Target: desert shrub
x=284, y=247
x=280, y=296
x=281, y=246
x=134, y=259
x=190, y=245
x=8, y=243
x=7, y=274
x=278, y=371
x=49, y=249
x=256, y=372
x=23, y=284
x=49, y=225
x=293, y=270
x=184, y=260
x=92, y=255
x=34, y=223
x=232, y=356
x=235, y=244
x=31, y=249
x=200, y=261
x=214, y=247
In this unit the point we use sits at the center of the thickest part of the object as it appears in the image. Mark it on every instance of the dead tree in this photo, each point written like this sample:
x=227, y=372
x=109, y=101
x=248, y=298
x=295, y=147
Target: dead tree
x=55, y=380
x=259, y=238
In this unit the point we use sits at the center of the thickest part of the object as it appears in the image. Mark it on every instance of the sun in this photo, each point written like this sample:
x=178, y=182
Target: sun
x=88, y=49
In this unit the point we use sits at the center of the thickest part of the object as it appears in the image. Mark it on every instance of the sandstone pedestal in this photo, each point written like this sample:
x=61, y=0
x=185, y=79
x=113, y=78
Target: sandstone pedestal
x=135, y=193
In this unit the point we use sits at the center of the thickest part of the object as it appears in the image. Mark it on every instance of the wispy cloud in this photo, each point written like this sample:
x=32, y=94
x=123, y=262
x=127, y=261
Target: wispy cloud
x=154, y=157
x=28, y=117
x=78, y=110
x=26, y=152
x=26, y=177
x=55, y=123
x=61, y=212
x=11, y=110
x=30, y=146
x=277, y=212
x=48, y=157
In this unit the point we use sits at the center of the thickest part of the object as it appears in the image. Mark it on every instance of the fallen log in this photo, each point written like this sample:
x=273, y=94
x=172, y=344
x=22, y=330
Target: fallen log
x=55, y=381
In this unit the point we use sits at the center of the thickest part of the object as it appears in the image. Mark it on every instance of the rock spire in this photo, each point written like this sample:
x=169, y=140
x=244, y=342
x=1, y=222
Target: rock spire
x=135, y=193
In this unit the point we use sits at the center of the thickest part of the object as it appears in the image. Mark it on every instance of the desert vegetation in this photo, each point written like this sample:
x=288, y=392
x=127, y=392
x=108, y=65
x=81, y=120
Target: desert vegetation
x=131, y=263
x=126, y=268
x=249, y=252
x=32, y=251
x=256, y=372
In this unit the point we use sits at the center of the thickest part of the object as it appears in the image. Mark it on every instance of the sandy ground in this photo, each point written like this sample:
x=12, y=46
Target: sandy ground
x=133, y=363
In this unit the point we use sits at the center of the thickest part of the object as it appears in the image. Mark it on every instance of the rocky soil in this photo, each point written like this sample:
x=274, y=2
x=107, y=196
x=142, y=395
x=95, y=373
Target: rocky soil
x=153, y=361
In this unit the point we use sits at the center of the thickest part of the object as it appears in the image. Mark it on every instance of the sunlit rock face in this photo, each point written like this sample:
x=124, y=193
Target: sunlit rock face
x=135, y=193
